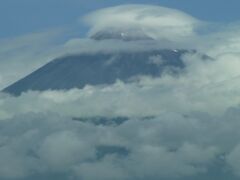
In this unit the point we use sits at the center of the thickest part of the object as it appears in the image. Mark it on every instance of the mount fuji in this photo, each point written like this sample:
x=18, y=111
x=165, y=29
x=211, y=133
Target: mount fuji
x=79, y=70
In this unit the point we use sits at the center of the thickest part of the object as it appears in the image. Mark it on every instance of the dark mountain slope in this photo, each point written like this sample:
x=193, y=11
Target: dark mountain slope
x=76, y=71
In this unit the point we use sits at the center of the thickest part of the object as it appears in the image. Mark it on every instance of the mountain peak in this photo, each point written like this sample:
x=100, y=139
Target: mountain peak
x=121, y=34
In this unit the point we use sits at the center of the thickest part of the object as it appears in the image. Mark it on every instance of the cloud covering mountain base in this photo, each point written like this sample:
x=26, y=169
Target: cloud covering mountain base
x=168, y=146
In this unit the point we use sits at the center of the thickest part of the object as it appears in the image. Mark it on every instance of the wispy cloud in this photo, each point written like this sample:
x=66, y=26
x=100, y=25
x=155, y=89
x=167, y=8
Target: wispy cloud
x=21, y=55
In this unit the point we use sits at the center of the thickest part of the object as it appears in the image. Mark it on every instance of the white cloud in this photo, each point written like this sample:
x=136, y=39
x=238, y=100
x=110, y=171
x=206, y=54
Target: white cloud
x=63, y=149
x=157, y=22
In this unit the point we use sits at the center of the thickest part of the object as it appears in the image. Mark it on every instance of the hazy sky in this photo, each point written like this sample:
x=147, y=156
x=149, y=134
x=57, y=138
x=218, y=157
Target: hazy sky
x=25, y=16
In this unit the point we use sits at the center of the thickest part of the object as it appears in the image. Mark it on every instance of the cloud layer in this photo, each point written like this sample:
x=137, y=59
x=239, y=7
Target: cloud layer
x=155, y=21
x=170, y=145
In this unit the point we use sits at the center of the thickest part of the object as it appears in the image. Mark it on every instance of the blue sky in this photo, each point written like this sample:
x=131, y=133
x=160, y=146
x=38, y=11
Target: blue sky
x=26, y=16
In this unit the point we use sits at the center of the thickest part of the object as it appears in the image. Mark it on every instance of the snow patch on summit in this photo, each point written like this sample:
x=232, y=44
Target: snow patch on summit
x=121, y=34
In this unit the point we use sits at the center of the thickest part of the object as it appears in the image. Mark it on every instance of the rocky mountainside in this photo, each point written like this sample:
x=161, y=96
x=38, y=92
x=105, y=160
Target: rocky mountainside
x=76, y=71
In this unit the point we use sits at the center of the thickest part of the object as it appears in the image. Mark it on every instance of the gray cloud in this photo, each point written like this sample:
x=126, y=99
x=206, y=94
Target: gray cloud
x=170, y=145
